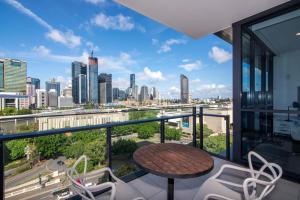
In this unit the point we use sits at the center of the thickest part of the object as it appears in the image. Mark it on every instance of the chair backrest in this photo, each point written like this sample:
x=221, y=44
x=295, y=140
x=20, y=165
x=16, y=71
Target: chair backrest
x=78, y=181
x=266, y=176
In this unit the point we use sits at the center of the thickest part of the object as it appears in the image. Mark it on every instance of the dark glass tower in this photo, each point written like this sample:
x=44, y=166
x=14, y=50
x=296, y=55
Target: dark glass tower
x=132, y=80
x=53, y=85
x=184, y=89
x=79, y=82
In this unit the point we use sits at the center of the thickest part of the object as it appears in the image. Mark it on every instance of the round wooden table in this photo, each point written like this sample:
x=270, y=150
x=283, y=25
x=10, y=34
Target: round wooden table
x=173, y=161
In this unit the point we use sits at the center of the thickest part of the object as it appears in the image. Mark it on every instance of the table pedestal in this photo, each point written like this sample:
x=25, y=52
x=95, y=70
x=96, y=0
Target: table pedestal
x=170, y=189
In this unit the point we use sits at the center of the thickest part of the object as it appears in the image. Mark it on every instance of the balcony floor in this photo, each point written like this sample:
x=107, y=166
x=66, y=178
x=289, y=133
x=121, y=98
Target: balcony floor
x=153, y=187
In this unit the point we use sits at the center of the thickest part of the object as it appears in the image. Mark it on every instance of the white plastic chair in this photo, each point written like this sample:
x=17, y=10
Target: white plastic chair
x=119, y=190
x=217, y=188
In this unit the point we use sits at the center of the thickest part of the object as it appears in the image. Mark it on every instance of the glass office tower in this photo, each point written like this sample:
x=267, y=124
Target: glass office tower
x=184, y=89
x=267, y=100
x=53, y=84
x=1, y=75
x=14, y=73
x=93, y=80
x=79, y=85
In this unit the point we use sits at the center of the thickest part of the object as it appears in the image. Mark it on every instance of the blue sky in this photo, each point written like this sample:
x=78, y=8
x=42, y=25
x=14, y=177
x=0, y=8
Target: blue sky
x=49, y=36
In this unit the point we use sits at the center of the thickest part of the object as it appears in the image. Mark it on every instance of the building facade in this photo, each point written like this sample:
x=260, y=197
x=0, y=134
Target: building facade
x=53, y=84
x=13, y=100
x=79, y=82
x=184, y=89
x=52, y=98
x=116, y=92
x=41, y=98
x=13, y=74
x=144, y=94
x=92, y=77
x=105, y=91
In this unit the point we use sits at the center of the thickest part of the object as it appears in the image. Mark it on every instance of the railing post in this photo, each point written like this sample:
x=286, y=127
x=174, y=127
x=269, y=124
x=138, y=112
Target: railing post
x=194, y=127
x=162, y=131
x=201, y=127
x=227, y=118
x=2, y=187
x=109, y=149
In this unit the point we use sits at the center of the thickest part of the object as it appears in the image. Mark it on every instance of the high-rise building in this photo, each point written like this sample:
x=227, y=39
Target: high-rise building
x=79, y=82
x=65, y=101
x=34, y=81
x=122, y=95
x=67, y=92
x=132, y=80
x=116, y=92
x=13, y=75
x=102, y=89
x=52, y=98
x=32, y=84
x=107, y=79
x=144, y=94
x=135, y=92
x=41, y=98
x=53, y=84
x=153, y=93
x=92, y=77
x=184, y=89
x=82, y=92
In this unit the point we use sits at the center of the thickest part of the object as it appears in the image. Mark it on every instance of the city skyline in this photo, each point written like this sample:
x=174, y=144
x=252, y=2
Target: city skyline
x=155, y=53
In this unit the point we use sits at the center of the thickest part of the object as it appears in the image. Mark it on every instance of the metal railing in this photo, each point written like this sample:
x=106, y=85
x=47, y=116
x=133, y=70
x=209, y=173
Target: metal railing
x=109, y=126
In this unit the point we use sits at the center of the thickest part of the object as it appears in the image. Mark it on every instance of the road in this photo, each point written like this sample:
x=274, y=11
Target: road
x=46, y=193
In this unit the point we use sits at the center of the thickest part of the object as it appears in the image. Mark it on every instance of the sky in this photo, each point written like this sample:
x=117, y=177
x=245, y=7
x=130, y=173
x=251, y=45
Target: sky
x=49, y=36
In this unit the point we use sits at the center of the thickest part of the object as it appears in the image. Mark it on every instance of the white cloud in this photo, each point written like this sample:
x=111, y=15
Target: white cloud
x=120, y=63
x=195, y=81
x=155, y=42
x=148, y=74
x=219, y=55
x=213, y=90
x=185, y=60
x=121, y=83
x=95, y=2
x=167, y=45
x=64, y=82
x=192, y=65
x=67, y=38
x=43, y=52
x=118, y=22
x=92, y=46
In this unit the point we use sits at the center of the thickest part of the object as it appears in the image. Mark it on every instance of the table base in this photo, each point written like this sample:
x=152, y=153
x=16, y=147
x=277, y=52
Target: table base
x=170, y=189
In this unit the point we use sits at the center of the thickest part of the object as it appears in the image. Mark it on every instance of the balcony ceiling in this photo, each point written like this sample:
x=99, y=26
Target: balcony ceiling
x=198, y=18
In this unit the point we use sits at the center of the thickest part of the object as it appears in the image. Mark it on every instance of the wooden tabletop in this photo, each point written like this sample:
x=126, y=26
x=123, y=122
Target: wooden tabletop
x=173, y=160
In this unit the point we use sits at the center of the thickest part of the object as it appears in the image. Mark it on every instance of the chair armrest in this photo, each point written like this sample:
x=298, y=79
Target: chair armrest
x=107, y=169
x=139, y=198
x=253, y=182
x=216, y=196
x=103, y=186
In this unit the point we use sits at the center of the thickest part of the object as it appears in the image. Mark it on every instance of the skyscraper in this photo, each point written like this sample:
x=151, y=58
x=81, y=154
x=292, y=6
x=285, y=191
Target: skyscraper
x=13, y=75
x=79, y=82
x=92, y=78
x=107, y=80
x=53, y=84
x=132, y=80
x=116, y=92
x=144, y=94
x=41, y=98
x=52, y=98
x=184, y=89
x=153, y=93
x=34, y=81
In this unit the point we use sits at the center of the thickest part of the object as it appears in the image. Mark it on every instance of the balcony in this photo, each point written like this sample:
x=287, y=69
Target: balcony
x=46, y=178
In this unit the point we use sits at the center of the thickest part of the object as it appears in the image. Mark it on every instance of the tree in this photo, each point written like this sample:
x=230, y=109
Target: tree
x=96, y=151
x=173, y=134
x=74, y=150
x=16, y=149
x=206, y=131
x=24, y=112
x=123, y=146
x=50, y=146
x=215, y=144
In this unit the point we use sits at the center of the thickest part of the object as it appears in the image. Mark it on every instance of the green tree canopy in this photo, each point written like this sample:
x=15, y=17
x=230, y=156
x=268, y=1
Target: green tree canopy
x=16, y=149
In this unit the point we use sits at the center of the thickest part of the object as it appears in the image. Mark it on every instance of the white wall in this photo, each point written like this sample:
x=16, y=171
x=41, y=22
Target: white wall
x=286, y=79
